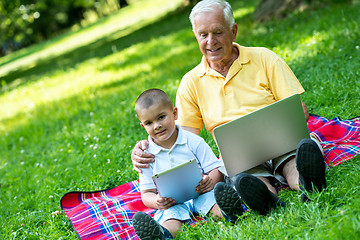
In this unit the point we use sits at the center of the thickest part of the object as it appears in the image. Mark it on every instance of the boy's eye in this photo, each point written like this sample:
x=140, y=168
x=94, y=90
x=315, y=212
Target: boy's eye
x=162, y=117
x=147, y=123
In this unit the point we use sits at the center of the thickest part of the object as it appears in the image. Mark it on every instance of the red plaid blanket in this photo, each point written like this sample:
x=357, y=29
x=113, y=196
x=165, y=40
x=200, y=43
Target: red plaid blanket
x=340, y=139
x=107, y=214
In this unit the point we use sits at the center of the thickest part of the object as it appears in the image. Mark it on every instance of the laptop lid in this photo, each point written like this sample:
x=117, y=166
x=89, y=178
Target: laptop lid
x=261, y=135
x=179, y=182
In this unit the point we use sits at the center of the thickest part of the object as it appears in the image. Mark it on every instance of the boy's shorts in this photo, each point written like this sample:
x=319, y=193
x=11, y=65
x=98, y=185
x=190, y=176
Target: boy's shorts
x=185, y=211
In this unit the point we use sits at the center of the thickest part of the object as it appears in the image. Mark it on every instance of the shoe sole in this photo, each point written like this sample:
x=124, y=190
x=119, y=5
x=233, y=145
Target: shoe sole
x=146, y=228
x=311, y=167
x=228, y=201
x=256, y=194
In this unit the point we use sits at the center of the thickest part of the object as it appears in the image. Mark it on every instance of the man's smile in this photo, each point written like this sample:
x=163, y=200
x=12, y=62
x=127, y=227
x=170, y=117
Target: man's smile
x=214, y=50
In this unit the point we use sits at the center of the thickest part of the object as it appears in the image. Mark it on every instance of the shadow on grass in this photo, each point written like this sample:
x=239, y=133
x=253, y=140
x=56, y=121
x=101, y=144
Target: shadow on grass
x=59, y=36
x=172, y=22
x=177, y=22
x=112, y=104
x=328, y=62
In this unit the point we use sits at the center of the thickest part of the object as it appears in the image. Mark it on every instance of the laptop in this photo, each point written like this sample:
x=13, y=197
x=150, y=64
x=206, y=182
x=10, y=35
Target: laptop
x=179, y=182
x=261, y=135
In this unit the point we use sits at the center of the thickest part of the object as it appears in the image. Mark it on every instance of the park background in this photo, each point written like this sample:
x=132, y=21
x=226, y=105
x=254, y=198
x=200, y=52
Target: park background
x=67, y=121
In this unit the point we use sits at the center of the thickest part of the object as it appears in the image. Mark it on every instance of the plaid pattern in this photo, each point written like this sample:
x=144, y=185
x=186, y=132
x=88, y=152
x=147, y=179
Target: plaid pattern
x=107, y=214
x=104, y=214
x=340, y=139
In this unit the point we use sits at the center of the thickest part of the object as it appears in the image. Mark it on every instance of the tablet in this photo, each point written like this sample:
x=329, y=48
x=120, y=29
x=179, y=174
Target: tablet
x=179, y=182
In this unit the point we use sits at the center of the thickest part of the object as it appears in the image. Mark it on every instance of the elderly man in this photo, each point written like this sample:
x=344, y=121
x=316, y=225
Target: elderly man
x=232, y=81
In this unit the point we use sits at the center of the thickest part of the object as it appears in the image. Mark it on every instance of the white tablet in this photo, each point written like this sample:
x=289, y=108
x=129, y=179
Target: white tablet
x=179, y=182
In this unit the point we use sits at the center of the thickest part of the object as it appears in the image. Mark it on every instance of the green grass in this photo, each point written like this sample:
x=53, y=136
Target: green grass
x=67, y=121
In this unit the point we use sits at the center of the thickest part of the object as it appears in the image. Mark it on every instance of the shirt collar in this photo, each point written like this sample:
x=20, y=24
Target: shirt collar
x=155, y=149
x=204, y=68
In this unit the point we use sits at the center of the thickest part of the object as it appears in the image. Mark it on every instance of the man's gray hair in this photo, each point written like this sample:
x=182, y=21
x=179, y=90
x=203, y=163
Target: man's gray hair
x=211, y=6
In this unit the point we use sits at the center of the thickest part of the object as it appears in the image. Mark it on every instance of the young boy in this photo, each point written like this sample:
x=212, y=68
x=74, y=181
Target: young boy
x=171, y=146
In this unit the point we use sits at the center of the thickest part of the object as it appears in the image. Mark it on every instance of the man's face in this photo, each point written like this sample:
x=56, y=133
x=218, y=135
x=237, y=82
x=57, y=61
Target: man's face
x=214, y=36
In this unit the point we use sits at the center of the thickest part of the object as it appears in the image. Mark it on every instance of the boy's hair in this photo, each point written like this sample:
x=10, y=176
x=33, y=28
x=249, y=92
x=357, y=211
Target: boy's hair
x=151, y=97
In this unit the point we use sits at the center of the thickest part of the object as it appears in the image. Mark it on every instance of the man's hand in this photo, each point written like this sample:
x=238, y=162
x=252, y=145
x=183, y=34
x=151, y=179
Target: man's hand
x=205, y=185
x=141, y=159
x=164, y=203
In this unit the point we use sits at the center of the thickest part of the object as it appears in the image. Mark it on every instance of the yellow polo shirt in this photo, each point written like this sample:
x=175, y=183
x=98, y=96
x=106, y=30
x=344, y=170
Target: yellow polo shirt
x=257, y=78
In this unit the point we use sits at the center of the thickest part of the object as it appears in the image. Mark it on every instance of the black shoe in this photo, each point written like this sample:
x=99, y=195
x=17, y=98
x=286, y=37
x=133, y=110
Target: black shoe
x=256, y=194
x=229, y=201
x=311, y=166
x=147, y=228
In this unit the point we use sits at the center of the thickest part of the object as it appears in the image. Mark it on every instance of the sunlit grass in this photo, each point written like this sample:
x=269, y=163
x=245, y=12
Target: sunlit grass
x=122, y=65
x=126, y=21
x=68, y=122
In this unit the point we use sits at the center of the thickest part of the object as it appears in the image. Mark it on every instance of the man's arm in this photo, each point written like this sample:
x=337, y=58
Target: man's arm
x=141, y=159
x=191, y=129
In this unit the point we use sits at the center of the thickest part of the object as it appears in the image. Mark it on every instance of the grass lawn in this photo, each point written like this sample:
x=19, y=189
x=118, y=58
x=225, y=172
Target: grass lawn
x=67, y=121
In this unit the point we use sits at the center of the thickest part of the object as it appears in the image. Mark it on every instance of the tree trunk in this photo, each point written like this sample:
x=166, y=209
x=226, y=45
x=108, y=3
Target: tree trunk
x=190, y=2
x=123, y=3
x=277, y=9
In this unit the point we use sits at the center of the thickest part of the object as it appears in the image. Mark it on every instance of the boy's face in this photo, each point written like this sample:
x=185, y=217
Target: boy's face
x=159, y=122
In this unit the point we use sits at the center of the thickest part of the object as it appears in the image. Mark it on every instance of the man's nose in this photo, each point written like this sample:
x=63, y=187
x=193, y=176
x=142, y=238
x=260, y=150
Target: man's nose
x=212, y=39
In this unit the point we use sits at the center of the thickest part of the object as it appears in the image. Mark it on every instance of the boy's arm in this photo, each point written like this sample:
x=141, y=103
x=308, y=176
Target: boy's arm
x=208, y=181
x=153, y=200
x=216, y=176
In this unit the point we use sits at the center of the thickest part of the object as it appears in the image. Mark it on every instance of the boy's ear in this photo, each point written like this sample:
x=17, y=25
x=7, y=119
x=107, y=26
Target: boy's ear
x=175, y=112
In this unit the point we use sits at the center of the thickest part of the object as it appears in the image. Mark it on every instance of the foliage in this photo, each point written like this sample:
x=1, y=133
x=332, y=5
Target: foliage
x=275, y=9
x=23, y=23
x=67, y=121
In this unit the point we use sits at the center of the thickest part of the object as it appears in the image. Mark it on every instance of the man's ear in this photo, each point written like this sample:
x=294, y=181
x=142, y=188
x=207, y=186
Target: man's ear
x=195, y=34
x=175, y=112
x=234, y=31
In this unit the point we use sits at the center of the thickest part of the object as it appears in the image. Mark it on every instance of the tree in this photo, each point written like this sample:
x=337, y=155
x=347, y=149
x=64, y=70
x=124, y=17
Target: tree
x=123, y=3
x=270, y=9
x=278, y=9
x=25, y=22
x=191, y=2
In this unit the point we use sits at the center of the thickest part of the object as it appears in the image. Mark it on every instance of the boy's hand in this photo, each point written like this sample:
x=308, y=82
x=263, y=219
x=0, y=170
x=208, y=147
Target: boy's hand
x=164, y=203
x=141, y=159
x=205, y=185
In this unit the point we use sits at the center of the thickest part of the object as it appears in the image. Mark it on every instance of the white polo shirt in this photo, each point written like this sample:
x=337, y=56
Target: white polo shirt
x=187, y=146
